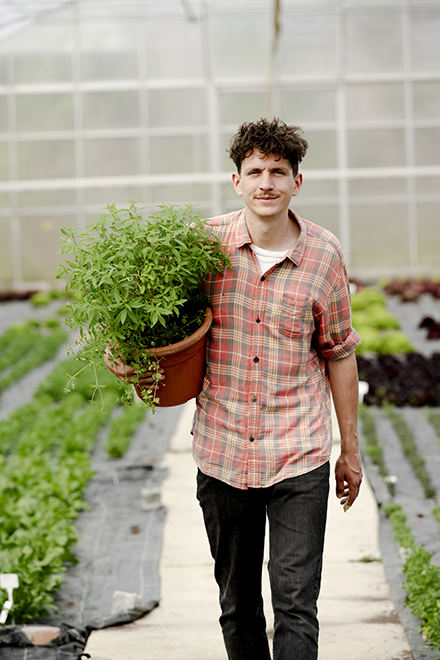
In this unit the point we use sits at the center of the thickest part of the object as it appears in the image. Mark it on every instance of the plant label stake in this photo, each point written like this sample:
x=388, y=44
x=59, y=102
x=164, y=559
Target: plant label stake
x=8, y=581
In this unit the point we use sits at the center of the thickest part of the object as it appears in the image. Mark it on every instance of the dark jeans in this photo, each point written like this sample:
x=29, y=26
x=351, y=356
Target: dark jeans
x=235, y=522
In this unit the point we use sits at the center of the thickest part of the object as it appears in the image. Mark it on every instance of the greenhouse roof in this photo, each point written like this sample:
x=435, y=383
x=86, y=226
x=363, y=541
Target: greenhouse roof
x=17, y=14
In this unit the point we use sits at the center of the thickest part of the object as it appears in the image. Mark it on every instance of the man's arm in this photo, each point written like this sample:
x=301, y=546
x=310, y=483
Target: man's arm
x=345, y=391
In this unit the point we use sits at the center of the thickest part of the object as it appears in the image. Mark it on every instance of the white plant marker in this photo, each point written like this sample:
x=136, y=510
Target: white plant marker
x=8, y=581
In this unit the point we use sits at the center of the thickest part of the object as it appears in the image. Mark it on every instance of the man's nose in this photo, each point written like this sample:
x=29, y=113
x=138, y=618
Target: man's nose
x=266, y=181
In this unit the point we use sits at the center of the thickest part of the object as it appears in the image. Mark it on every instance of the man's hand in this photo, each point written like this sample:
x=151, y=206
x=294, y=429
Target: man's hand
x=348, y=473
x=127, y=374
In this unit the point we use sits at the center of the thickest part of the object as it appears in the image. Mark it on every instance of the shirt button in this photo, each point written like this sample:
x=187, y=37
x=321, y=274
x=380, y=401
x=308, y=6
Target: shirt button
x=258, y=320
x=251, y=439
x=262, y=278
x=256, y=359
x=254, y=398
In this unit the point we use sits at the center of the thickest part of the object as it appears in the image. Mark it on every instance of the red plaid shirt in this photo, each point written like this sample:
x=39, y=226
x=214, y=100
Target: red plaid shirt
x=264, y=412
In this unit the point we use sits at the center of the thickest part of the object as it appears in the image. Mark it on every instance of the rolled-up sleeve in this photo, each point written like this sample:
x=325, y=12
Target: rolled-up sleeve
x=336, y=336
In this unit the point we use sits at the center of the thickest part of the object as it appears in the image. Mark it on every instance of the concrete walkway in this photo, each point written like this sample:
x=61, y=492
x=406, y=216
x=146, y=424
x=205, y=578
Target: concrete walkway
x=357, y=617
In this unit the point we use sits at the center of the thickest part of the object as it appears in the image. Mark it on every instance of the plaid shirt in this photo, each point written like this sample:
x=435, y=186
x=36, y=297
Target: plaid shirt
x=264, y=412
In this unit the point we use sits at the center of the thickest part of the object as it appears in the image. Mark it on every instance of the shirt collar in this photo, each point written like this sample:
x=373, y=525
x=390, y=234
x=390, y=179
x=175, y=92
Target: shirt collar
x=295, y=254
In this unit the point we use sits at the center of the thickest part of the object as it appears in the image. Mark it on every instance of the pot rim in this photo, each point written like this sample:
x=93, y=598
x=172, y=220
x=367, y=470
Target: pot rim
x=162, y=351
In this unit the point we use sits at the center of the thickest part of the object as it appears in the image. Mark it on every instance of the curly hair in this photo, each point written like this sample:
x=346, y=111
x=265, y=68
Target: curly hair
x=270, y=137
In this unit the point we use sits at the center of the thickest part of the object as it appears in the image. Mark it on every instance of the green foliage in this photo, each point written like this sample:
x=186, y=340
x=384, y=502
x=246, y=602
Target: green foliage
x=396, y=342
x=122, y=429
x=42, y=298
x=422, y=583
x=139, y=282
x=436, y=513
x=25, y=346
x=373, y=448
x=410, y=449
x=376, y=326
x=402, y=531
x=45, y=465
x=434, y=419
x=367, y=297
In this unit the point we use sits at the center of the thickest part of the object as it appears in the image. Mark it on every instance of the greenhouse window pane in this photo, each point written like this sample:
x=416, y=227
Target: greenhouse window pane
x=227, y=165
x=4, y=161
x=178, y=154
x=375, y=102
x=108, y=51
x=325, y=216
x=3, y=114
x=3, y=65
x=428, y=185
x=428, y=224
x=426, y=100
x=30, y=198
x=376, y=148
x=111, y=109
x=379, y=235
x=42, y=68
x=5, y=203
x=312, y=189
x=308, y=44
x=43, y=53
x=241, y=47
x=6, y=264
x=385, y=186
x=174, y=49
x=107, y=157
x=198, y=194
x=425, y=42
x=51, y=159
x=321, y=153
x=40, y=245
x=308, y=106
x=374, y=41
x=238, y=107
x=45, y=112
x=120, y=195
x=177, y=107
x=427, y=142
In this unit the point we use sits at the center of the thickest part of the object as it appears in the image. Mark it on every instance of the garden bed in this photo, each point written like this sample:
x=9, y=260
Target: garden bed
x=401, y=451
x=63, y=458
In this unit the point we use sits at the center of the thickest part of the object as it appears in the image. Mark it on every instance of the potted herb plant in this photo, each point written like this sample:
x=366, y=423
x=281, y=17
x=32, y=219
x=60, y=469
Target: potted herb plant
x=139, y=290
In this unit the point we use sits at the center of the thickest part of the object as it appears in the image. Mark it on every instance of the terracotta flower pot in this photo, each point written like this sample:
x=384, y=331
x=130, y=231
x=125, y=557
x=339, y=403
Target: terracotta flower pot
x=184, y=365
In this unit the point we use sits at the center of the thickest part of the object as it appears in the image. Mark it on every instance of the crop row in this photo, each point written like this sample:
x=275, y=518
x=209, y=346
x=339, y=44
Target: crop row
x=45, y=465
x=27, y=345
x=406, y=380
x=422, y=576
x=378, y=329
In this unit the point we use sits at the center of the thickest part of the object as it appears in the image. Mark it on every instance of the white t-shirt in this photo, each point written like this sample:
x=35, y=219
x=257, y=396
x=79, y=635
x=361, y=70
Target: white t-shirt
x=268, y=258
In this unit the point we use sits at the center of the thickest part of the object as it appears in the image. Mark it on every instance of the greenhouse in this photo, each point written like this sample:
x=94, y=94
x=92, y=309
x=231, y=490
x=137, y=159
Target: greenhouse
x=105, y=102
x=241, y=354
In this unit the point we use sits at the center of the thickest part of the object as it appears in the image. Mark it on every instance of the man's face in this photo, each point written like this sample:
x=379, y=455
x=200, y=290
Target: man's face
x=266, y=184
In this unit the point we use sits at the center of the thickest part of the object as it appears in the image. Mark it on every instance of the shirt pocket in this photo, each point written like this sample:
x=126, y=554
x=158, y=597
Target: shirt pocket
x=296, y=316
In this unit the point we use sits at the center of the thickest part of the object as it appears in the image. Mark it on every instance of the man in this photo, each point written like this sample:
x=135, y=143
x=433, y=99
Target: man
x=280, y=341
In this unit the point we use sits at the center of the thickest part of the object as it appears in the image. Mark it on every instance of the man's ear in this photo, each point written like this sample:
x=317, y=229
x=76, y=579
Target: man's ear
x=298, y=184
x=237, y=184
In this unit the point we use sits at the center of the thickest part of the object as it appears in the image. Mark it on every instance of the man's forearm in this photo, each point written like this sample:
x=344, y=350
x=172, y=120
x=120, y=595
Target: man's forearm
x=344, y=385
x=345, y=391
